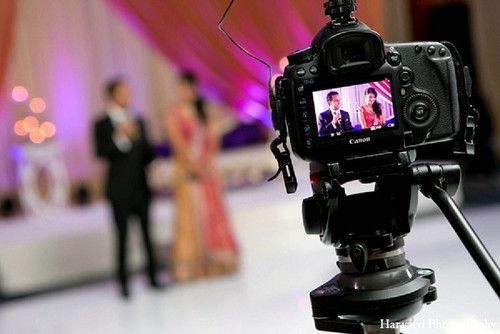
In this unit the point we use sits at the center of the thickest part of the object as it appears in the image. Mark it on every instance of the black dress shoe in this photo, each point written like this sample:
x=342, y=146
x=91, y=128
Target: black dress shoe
x=125, y=293
x=157, y=285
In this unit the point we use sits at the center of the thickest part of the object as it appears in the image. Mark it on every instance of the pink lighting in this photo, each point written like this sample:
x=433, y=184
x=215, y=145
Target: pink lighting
x=48, y=129
x=283, y=63
x=19, y=128
x=37, y=105
x=19, y=94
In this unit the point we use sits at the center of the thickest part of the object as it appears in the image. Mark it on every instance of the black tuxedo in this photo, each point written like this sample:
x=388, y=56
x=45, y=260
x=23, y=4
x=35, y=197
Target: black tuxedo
x=325, y=123
x=127, y=189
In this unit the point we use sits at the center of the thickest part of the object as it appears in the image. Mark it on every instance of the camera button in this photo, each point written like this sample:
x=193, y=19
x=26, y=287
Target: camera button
x=402, y=92
x=301, y=72
x=442, y=52
x=307, y=129
x=405, y=77
x=305, y=115
x=420, y=113
x=300, y=88
x=431, y=50
x=393, y=58
x=418, y=49
x=303, y=101
x=309, y=142
x=313, y=69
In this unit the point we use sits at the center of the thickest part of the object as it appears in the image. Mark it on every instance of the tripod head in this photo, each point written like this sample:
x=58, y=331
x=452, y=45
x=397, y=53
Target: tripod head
x=376, y=283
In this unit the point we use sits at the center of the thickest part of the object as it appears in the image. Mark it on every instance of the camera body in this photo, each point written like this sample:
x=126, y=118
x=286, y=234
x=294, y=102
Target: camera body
x=351, y=96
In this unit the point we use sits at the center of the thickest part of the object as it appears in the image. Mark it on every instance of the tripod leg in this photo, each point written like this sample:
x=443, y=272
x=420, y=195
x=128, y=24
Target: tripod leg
x=466, y=234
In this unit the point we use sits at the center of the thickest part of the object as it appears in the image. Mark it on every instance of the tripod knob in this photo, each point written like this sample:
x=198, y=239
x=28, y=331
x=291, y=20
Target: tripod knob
x=359, y=256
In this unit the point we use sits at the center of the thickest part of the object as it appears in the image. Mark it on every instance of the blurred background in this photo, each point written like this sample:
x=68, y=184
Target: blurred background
x=56, y=257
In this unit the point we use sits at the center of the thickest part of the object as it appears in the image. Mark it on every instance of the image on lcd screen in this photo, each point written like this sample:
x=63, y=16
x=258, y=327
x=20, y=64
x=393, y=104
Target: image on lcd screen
x=362, y=107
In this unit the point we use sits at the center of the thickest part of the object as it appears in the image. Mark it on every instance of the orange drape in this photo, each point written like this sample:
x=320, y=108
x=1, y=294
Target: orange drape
x=186, y=33
x=7, y=19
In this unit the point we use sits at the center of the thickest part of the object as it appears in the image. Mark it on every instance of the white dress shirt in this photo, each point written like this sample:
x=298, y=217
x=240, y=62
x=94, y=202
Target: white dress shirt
x=119, y=115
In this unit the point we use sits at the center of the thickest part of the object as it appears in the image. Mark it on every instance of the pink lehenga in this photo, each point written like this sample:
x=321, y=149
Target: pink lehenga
x=204, y=243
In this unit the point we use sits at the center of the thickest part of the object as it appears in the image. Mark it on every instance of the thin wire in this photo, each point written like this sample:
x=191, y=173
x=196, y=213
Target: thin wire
x=248, y=53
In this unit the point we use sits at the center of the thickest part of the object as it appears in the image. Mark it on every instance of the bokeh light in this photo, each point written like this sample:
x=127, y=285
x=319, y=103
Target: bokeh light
x=29, y=123
x=283, y=63
x=37, y=105
x=37, y=136
x=19, y=128
x=19, y=94
x=48, y=129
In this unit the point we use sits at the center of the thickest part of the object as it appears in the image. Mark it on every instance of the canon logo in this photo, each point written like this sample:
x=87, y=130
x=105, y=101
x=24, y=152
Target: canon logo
x=360, y=140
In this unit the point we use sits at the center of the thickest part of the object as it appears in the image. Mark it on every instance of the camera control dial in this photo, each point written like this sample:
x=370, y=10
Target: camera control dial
x=420, y=111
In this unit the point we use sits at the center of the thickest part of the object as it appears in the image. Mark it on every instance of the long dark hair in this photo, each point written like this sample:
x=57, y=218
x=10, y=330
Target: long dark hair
x=200, y=103
x=377, y=108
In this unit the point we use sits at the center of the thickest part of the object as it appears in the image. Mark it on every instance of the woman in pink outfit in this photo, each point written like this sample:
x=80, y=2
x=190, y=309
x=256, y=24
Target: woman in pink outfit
x=204, y=243
x=371, y=113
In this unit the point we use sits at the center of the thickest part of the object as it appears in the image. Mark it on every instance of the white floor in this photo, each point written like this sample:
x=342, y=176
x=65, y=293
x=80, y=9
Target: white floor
x=280, y=265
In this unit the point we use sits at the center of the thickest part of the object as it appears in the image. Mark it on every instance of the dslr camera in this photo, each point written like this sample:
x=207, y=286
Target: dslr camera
x=350, y=96
x=357, y=108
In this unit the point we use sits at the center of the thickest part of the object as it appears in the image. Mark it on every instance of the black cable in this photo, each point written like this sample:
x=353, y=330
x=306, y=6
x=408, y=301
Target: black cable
x=248, y=53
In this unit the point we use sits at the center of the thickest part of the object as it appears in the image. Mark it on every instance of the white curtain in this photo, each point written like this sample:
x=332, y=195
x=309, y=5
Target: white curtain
x=63, y=52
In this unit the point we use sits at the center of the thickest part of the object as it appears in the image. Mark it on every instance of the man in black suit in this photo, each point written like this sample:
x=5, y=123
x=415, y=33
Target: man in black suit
x=334, y=120
x=120, y=138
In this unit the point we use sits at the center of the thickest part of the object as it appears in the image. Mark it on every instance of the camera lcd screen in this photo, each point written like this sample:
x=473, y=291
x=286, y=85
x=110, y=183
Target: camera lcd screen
x=361, y=107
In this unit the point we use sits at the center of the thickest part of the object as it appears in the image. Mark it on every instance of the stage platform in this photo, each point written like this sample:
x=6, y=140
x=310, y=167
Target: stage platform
x=57, y=247
x=67, y=247
x=75, y=245
x=280, y=265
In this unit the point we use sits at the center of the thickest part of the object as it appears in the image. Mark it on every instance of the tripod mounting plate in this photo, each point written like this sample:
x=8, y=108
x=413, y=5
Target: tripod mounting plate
x=396, y=295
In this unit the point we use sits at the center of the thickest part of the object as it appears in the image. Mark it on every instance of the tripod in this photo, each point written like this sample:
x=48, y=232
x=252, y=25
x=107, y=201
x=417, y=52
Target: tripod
x=377, y=289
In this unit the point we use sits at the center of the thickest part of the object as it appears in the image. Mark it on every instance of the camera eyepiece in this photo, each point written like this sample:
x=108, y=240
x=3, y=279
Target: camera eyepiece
x=340, y=10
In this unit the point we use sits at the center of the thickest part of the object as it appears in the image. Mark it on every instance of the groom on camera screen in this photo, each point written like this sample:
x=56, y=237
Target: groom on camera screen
x=334, y=120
